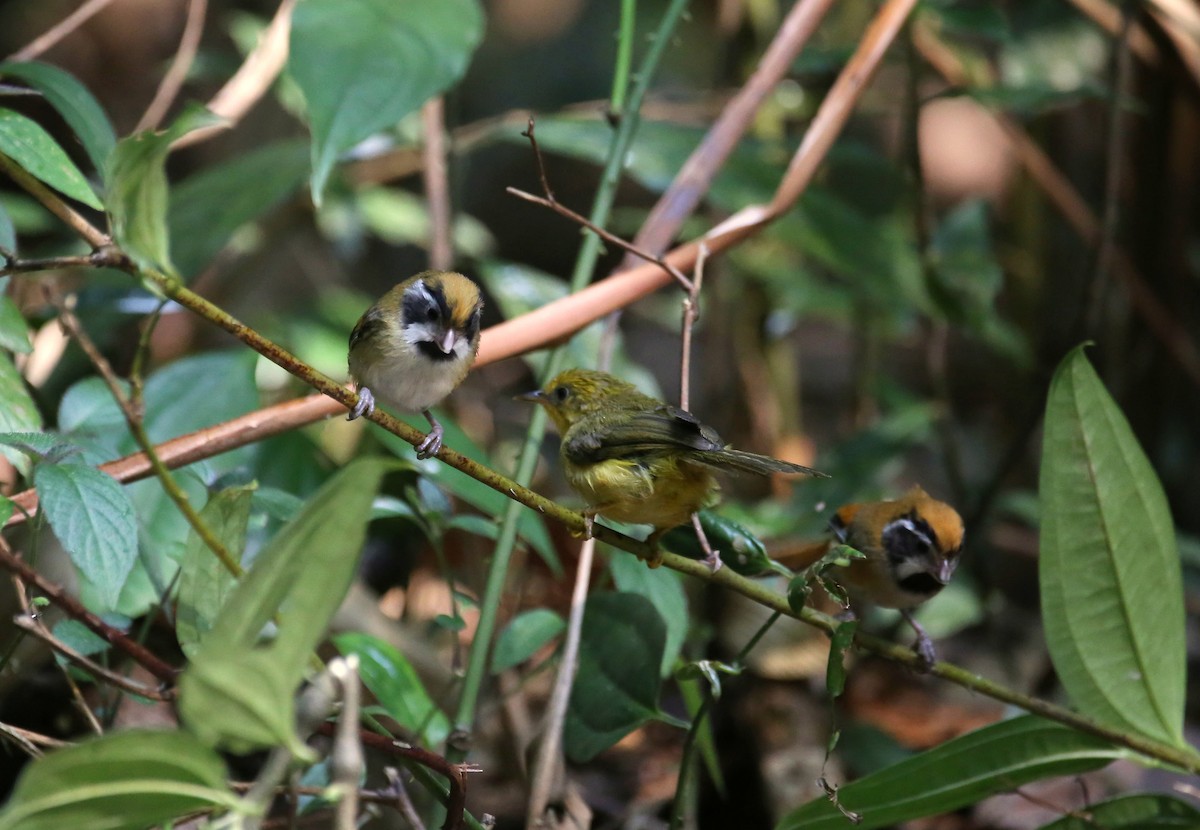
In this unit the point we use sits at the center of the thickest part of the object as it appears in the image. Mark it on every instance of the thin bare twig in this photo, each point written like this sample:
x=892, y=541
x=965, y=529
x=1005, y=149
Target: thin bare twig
x=30, y=742
x=398, y=794
x=548, y=768
x=563, y=210
x=694, y=178
x=346, y=760
x=29, y=625
x=437, y=188
x=172, y=82
x=58, y=31
x=13, y=563
x=252, y=80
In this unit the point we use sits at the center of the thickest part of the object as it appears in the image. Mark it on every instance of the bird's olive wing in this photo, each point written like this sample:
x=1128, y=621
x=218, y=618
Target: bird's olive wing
x=368, y=326
x=643, y=434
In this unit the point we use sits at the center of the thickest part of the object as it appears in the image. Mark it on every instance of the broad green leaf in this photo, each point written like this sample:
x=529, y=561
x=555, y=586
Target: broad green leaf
x=395, y=684
x=8, y=232
x=19, y=412
x=93, y=519
x=664, y=589
x=7, y=508
x=997, y=758
x=14, y=332
x=204, y=582
x=25, y=142
x=73, y=102
x=365, y=64
x=123, y=781
x=1134, y=812
x=136, y=182
x=1112, y=591
x=616, y=686
x=297, y=581
x=525, y=634
x=207, y=208
x=89, y=415
x=741, y=551
x=37, y=445
x=81, y=638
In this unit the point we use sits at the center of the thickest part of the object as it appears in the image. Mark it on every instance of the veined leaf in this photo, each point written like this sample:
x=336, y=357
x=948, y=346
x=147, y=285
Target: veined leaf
x=73, y=102
x=25, y=142
x=1112, y=591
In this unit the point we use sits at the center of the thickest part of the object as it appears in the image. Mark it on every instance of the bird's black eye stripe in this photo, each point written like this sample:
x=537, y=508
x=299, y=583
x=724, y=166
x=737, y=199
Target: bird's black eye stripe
x=425, y=303
x=908, y=536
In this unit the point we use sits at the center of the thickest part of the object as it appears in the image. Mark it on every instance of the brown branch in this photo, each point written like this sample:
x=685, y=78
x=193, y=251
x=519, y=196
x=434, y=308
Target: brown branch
x=58, y=31
x=50, y=200
x=141, y=655
x=252, y=80
x=172, y=82
x=437, y=189
x=607, y=236
x=30, y=625
x=696, y=176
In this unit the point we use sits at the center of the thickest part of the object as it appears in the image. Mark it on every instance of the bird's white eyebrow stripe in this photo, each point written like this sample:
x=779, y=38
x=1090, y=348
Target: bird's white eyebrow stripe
x=911, y=527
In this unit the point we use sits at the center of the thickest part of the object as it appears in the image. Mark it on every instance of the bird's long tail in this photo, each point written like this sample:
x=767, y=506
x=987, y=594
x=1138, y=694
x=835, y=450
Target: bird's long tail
x=749, y=462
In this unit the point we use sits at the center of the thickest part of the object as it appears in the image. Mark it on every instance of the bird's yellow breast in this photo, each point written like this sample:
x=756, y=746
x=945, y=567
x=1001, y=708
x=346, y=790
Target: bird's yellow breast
x=663, y=492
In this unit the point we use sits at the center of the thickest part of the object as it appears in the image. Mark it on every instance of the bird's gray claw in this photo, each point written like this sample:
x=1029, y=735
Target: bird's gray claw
x=924, y=649
x=365, y=405
x=432, y=443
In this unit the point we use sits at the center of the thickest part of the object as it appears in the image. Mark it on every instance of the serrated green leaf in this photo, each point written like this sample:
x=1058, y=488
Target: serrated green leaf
x=204, y=582
x=1134, y=812
x=395, y=684
x=1111, y=585
x=19, y=413
x=124, y=781
x=25, y=142
x=136, y=182
x=617, y=683
x=207, y=208
x=364, y=65
x=14, y=331
x=37, y=445
x=93, y=519
x=525, y=634
x=997, y=758
x=73, y=102
x=298, y=580
x=664, y=589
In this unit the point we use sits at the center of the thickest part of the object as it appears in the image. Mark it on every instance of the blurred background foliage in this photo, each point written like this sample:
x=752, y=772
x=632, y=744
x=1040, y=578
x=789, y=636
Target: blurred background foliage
x=899, y=326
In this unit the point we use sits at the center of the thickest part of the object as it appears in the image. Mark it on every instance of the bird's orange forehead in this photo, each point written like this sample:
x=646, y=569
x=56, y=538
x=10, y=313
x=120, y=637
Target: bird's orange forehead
x=462, y=296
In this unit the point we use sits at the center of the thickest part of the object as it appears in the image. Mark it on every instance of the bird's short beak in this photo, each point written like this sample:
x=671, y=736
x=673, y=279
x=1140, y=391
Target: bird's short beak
x=536, y=396
x=448, y=341
x=944, y=571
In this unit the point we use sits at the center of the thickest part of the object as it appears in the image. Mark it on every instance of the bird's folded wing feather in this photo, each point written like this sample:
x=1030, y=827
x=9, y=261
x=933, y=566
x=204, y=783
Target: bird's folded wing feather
x=638, y=435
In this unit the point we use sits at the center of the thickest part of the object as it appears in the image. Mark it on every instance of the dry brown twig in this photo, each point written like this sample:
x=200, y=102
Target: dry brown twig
x=58, y=31
x=252, y=79
x=437, y=188
x=172, y=82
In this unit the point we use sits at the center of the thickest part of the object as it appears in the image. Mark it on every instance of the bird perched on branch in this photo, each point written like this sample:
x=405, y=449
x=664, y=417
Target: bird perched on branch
x=415, y=345
x=910, y=548
x=636, y=459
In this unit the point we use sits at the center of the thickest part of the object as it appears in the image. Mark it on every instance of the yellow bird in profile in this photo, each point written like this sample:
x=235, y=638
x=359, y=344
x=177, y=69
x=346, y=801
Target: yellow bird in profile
x=636, y=459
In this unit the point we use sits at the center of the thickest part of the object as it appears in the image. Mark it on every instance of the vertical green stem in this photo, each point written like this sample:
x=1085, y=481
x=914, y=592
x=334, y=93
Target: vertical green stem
x=620, y=87
x=585, y=264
